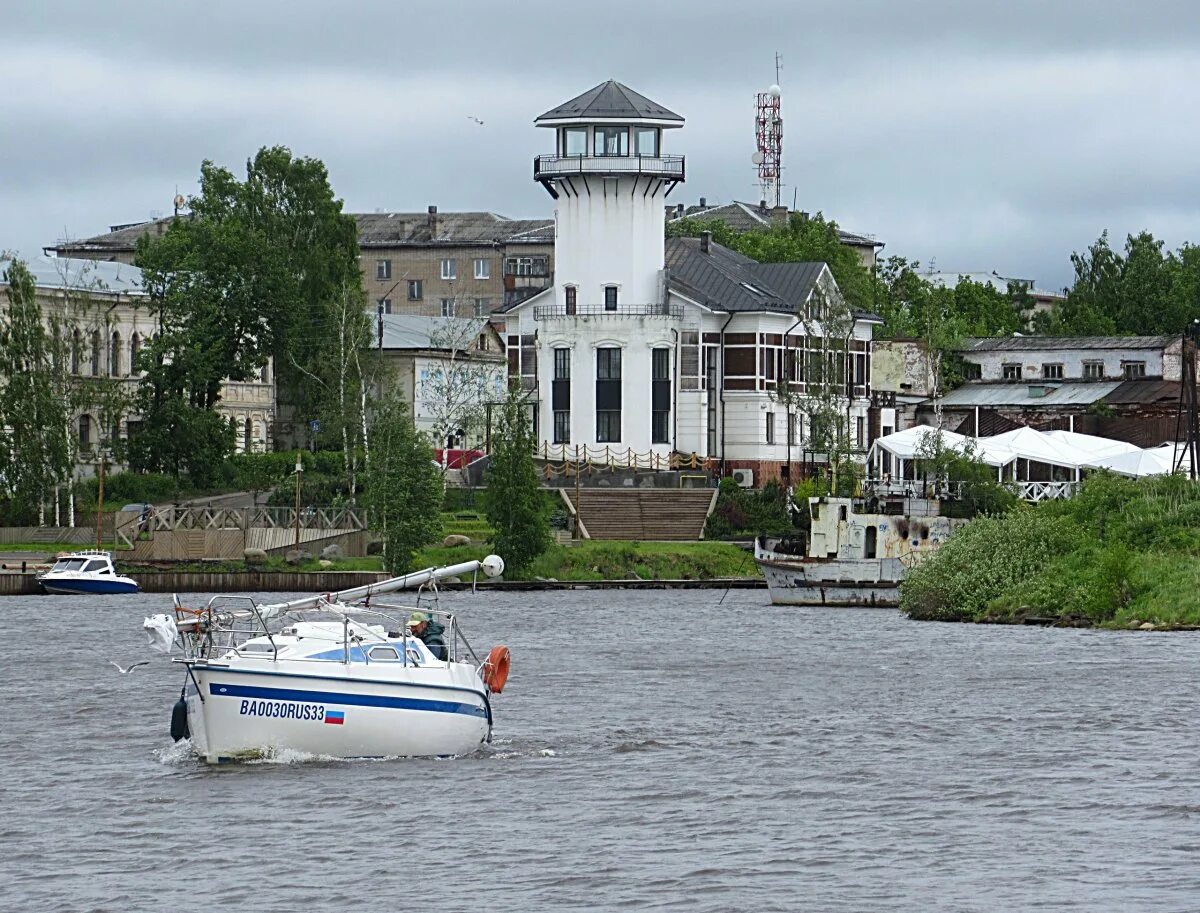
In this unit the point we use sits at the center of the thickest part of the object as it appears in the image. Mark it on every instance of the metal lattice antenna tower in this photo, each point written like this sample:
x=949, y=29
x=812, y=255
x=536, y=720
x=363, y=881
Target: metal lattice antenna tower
x=768, y=134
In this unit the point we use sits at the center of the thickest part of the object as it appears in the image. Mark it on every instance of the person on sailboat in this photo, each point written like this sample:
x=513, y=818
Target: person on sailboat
x=429, y=632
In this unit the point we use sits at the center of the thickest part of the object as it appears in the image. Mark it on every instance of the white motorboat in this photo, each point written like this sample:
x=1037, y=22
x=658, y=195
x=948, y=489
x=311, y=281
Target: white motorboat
x=86, y=572
x=334, y=675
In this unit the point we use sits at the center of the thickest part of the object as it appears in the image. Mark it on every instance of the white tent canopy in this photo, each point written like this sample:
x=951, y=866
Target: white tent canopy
x=907, y=445
x=1140, y=463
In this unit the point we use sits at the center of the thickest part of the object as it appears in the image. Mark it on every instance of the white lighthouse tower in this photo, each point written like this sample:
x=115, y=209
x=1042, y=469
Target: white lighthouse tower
x=610, y=177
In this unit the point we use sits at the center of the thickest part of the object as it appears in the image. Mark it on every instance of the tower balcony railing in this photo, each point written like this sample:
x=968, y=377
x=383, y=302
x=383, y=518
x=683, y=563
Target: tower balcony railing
x=669, y=167
x=552, y=311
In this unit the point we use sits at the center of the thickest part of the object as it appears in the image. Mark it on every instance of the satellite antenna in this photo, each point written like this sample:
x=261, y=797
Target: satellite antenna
x=179, y=201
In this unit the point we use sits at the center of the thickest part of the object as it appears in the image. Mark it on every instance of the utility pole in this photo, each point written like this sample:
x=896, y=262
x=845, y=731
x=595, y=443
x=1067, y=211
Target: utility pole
x=299, y=472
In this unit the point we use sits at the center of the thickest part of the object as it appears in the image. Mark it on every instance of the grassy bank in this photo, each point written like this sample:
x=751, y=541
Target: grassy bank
x=596, y=560
x=1122, y=553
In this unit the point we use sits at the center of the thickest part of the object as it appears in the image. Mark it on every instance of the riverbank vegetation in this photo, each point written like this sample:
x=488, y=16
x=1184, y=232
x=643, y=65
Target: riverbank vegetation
x=1122, y=553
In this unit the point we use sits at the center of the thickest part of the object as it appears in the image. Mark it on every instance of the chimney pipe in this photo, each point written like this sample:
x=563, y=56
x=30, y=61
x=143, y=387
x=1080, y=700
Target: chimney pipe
x=433, y=221
x=703, y=202
x=705, y=241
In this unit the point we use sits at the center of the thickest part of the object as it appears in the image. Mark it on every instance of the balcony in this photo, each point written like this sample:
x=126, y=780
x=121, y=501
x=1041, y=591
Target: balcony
x=557, y=311
x=668, y=167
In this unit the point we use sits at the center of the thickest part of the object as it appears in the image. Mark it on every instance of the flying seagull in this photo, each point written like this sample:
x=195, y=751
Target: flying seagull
x=474, y=118
x=126, y=670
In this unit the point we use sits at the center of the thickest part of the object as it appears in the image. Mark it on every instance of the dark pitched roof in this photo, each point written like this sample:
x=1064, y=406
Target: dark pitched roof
x=1047, y=343
x=610, y=100
x=375, y=229
x=1144, y=392
x=728, y=281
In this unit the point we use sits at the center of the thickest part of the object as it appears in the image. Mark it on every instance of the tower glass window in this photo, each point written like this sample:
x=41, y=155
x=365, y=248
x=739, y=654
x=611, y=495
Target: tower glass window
x=560, y=395
x=647, y=140
x=608, y=395
x=660, y=396
x=574, y=141
x=612, y=141
x=610, y=297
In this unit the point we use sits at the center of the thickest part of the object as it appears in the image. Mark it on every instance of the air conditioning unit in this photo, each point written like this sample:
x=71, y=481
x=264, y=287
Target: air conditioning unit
x=744, y=477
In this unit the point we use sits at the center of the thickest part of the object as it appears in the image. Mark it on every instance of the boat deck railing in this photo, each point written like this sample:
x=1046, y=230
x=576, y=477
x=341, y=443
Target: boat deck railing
x=228, y=622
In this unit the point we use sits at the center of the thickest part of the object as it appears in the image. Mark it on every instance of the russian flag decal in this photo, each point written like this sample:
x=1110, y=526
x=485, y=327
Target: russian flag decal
x=335, y=717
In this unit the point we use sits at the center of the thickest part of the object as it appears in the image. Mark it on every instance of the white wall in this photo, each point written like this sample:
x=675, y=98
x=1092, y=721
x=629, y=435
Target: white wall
x=992, y=363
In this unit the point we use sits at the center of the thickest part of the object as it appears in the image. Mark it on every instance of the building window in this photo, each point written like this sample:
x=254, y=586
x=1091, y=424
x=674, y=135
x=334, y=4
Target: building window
x=85, y=432
x=610, y=297
x=572, y=296
x=415, y=290
x=972, y=371
x=647, y=141
x=560, y=396
x=76, y=351
x=562, y=427
x=1093, y=370
x=114, y=356
x=483, y=307
x=135, y=346
x=859, y=433
x=770, y=427
x=791, y=427
x=385, y=305
x=95, y=353
x=1052, y=372
x=447, y=307
x=526, y=266
x=574, y=141
x=483, y=268
x=608, y=396
x=1010, y=372
x=612, y=141
x=660, y=396
x=383, y=269
x=1132, y=370
x=449, y=268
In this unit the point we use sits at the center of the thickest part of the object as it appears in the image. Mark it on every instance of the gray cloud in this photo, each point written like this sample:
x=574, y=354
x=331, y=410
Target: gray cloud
x=986, y=135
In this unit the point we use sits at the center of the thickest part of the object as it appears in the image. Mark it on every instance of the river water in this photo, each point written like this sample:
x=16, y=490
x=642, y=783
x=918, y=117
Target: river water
x=653, y=750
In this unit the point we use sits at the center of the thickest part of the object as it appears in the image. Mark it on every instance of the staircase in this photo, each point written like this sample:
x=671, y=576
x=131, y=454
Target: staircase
x=644, y=513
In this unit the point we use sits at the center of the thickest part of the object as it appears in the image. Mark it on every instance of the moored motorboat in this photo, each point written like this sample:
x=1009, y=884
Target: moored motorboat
x=334, y=675
x=85, y=572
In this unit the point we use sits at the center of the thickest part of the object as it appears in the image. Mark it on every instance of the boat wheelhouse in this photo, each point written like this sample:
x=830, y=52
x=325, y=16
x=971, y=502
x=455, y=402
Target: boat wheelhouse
x=88, y=572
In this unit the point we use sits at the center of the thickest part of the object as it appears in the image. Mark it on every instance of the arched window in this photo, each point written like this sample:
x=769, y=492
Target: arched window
x=135, y=346
x=114, y=355
x=246, y=428
x=85, y=431
x=76, y=348
x=95, y=353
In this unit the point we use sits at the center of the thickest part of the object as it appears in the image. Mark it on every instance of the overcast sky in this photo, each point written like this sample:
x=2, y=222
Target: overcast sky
x=987, y=135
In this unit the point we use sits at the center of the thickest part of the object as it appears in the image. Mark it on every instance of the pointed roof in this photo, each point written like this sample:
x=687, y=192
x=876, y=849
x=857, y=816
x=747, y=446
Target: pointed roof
x=610, y=101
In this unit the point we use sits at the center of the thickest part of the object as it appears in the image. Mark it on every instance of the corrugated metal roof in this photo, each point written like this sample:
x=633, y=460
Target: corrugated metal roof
x=375, y=229
x=610, y=99
x=413, y=331
x=84, y=275
x=1145, y=391
x=1045, y=343
x=1063, y=394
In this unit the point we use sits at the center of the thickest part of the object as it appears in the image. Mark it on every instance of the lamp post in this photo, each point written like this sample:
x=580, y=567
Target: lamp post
x=299, y=472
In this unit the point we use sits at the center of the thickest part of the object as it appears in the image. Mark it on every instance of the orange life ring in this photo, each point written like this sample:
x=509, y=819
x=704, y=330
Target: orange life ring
x=495, y=669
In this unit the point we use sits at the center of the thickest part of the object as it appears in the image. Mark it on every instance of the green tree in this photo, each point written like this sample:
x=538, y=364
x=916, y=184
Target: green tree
x=513, y=500
x=403, y=489
x=34, y=457
x=262, y=267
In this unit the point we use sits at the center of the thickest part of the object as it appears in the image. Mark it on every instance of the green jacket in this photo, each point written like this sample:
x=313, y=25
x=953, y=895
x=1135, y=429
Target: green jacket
x=433, y=639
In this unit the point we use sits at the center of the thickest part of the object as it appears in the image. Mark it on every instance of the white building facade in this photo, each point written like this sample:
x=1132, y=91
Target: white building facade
x=653, y=351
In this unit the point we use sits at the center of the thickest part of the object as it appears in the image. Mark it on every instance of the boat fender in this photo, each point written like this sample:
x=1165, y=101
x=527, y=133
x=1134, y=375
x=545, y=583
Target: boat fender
x=179, y=721
x=495, y=668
